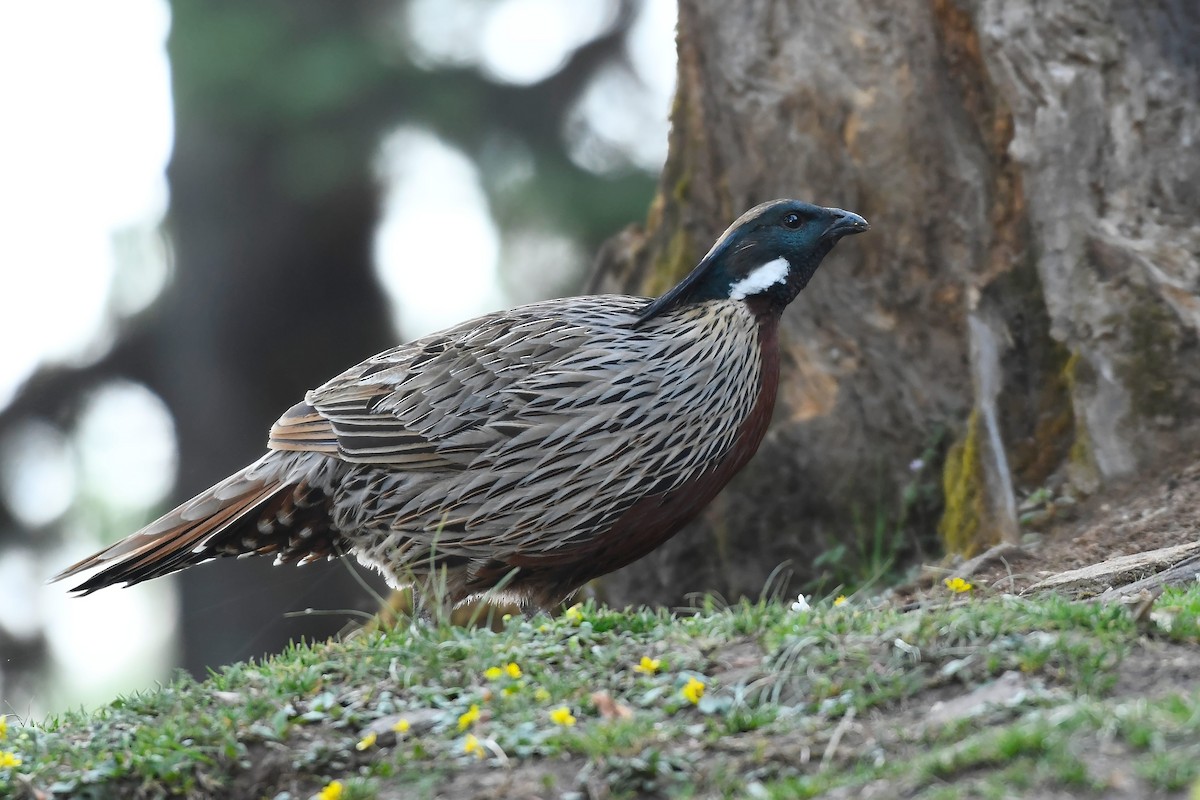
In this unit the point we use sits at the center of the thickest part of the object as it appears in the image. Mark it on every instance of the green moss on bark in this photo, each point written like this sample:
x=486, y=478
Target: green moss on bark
x=964, y=491
x=674, y=262
x=1146, y=372
x=1081, y=462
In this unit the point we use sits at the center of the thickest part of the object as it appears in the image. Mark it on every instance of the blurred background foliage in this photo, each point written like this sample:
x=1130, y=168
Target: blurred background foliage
x=210, y=207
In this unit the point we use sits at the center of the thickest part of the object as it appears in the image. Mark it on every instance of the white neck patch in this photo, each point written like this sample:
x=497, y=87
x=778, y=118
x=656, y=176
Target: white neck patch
x=767, y=275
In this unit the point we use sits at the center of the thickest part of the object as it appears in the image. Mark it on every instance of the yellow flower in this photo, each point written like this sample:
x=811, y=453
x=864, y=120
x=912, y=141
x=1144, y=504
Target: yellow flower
x=541, y=694
x=332, y=791
x=468, y=718
x=562, y=716
x=958, y=585
x=367, y=742
x=3, y=727
x=472, y=745
x=493, y=673
x=8, y=759
x=512, y=669
x=693, y=691
x=647, y=666
x=573, y=614
x=401, y=726
x=840, y=600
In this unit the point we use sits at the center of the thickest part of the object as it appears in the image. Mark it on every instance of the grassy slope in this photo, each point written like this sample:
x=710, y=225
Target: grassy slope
x=1038, y=696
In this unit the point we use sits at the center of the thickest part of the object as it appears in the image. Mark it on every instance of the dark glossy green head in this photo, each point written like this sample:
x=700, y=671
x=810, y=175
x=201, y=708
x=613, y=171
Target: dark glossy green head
x=765, y=258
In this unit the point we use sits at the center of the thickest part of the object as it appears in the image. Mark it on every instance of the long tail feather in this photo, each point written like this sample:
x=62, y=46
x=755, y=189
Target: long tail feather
x=259, y=510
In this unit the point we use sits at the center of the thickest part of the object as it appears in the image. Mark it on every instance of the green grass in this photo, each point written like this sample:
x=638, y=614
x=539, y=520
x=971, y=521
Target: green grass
x=796, y=704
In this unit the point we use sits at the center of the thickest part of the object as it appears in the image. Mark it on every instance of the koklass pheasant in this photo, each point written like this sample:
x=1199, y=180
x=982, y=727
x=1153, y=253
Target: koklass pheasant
x=532, y=449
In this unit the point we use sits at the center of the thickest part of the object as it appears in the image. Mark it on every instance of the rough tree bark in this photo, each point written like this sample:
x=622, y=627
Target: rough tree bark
x=1030, y=285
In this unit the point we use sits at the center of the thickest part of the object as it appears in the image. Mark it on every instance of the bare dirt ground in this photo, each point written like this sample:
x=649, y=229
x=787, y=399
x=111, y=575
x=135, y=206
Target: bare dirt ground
x=1143, y=516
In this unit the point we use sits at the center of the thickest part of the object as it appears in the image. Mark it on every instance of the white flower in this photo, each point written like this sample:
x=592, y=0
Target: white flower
x=801, y=604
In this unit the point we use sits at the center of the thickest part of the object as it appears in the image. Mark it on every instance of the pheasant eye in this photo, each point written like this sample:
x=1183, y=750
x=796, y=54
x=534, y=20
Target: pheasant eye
x=791, y=221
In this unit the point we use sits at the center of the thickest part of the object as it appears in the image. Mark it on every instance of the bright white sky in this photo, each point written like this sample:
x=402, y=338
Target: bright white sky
x=85, y=89
x=87, y=130
x=86, y=135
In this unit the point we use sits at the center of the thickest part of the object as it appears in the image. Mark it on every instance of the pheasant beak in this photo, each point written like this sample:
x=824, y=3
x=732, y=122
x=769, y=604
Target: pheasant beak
x=844, y=223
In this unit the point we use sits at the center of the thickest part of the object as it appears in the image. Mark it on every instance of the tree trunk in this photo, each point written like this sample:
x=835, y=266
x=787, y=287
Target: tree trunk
x=1029, y=285
x=272, y=210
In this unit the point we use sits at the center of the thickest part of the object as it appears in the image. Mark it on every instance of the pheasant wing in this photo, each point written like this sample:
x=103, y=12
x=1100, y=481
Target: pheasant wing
x=436, y=404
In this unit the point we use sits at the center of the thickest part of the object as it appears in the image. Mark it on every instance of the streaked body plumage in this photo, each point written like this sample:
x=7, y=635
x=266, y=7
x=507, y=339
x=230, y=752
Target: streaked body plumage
x=534, y=448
